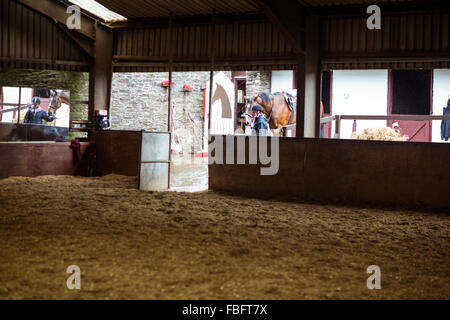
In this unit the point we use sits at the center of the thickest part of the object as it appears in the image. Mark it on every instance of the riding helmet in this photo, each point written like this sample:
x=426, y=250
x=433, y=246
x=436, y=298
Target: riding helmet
x=36, y=100
x=257, y=107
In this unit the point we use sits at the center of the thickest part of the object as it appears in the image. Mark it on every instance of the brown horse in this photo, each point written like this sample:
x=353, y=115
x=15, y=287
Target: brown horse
x=62, y=115
x=275, y=108
x=57, y=99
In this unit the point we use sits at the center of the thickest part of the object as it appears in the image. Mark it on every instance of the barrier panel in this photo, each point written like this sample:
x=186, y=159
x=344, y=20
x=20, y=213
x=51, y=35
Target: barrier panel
x=154, y=173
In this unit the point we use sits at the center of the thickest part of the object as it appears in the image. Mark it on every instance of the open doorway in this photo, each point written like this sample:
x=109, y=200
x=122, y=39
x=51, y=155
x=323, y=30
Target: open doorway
x=441, y=97
x=144, y=105
x=394, y=105
x=358, y=92
x=326, y=99
x=410, y=94
x=240, y=85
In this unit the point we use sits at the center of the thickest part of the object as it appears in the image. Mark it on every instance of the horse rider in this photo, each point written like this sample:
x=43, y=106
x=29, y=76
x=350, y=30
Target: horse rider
x=260, y=126
x=35, y=113
x=241, y=119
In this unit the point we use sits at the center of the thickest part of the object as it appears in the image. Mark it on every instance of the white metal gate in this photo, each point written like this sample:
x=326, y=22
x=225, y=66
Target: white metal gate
x=154, y=172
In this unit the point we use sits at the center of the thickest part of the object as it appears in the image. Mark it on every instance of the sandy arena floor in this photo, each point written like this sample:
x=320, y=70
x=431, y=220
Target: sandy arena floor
x=169, y=245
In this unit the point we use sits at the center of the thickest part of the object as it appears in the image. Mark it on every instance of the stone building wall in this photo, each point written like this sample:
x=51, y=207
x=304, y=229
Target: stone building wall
x=258, y=81
x=138, y=101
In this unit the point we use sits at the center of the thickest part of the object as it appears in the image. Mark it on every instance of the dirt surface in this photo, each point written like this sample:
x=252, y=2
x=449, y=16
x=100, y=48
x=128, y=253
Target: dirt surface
x=168, y=245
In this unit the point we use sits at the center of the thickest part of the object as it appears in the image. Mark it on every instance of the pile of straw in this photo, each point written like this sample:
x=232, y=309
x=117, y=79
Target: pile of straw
x=386, y=134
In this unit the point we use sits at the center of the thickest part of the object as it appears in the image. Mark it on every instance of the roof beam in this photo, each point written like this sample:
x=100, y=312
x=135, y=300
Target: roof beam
x=194, y=20
x=289, y=17
x=58, y=12
x=86, y=45
x=386, y=8
x=100, y=73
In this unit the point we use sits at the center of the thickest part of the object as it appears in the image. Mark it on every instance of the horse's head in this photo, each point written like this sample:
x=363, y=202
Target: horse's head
x=55, y=101
x=263, y=99
x=249, y=102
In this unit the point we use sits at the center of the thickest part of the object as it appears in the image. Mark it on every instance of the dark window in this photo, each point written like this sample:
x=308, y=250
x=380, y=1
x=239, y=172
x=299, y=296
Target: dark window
x=326, y=91
x=411, y=90
x=241, y=92
x=42, y=93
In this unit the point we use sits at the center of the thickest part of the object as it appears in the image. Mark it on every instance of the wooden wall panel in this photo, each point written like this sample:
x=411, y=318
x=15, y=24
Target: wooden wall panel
x=36, y=159
x=367, y=173
x=238, y=45
x=408, y=40
x=117, y=151
x=30, y=40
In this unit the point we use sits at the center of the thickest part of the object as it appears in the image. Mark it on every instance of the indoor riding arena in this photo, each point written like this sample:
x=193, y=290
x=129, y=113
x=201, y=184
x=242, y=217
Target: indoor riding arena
x=134, y=161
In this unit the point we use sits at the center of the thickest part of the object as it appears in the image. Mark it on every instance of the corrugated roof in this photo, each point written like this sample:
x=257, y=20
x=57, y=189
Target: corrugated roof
x=162, y=8
x=325, y=3
x=99, y=10
x=138, y=9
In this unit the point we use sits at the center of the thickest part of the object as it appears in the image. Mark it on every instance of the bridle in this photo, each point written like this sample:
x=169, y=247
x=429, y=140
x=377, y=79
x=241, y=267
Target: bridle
x=57, y=99
x=250, y=102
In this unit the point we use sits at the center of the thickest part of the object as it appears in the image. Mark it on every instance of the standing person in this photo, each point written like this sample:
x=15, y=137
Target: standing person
x=322, y=125
x=241, y=119
x=35, y=113
x=445, y=124
x=30, y=112
x=260, y=126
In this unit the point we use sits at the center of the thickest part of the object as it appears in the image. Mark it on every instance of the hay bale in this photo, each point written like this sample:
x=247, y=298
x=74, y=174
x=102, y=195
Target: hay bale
x=384, y=134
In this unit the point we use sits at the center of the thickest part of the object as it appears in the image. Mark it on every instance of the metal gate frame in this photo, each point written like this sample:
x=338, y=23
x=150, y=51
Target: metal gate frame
x=146, y=153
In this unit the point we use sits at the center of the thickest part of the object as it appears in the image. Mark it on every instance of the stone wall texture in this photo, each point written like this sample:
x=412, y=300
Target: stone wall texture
x=138, y=101
x=258, y=81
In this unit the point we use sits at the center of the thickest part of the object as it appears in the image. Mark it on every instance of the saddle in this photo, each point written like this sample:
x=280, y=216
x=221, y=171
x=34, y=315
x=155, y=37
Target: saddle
x=290, y=100
x=292, y=104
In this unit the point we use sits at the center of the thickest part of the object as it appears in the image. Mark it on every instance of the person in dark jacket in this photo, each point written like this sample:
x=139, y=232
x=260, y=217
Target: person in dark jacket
x=35, y=113
x=260, y=125
x=445, y=124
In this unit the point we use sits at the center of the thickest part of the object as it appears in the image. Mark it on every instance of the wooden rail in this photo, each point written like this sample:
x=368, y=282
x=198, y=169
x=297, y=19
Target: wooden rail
x=338, y=118
x=84, y=125
x=24, y=106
